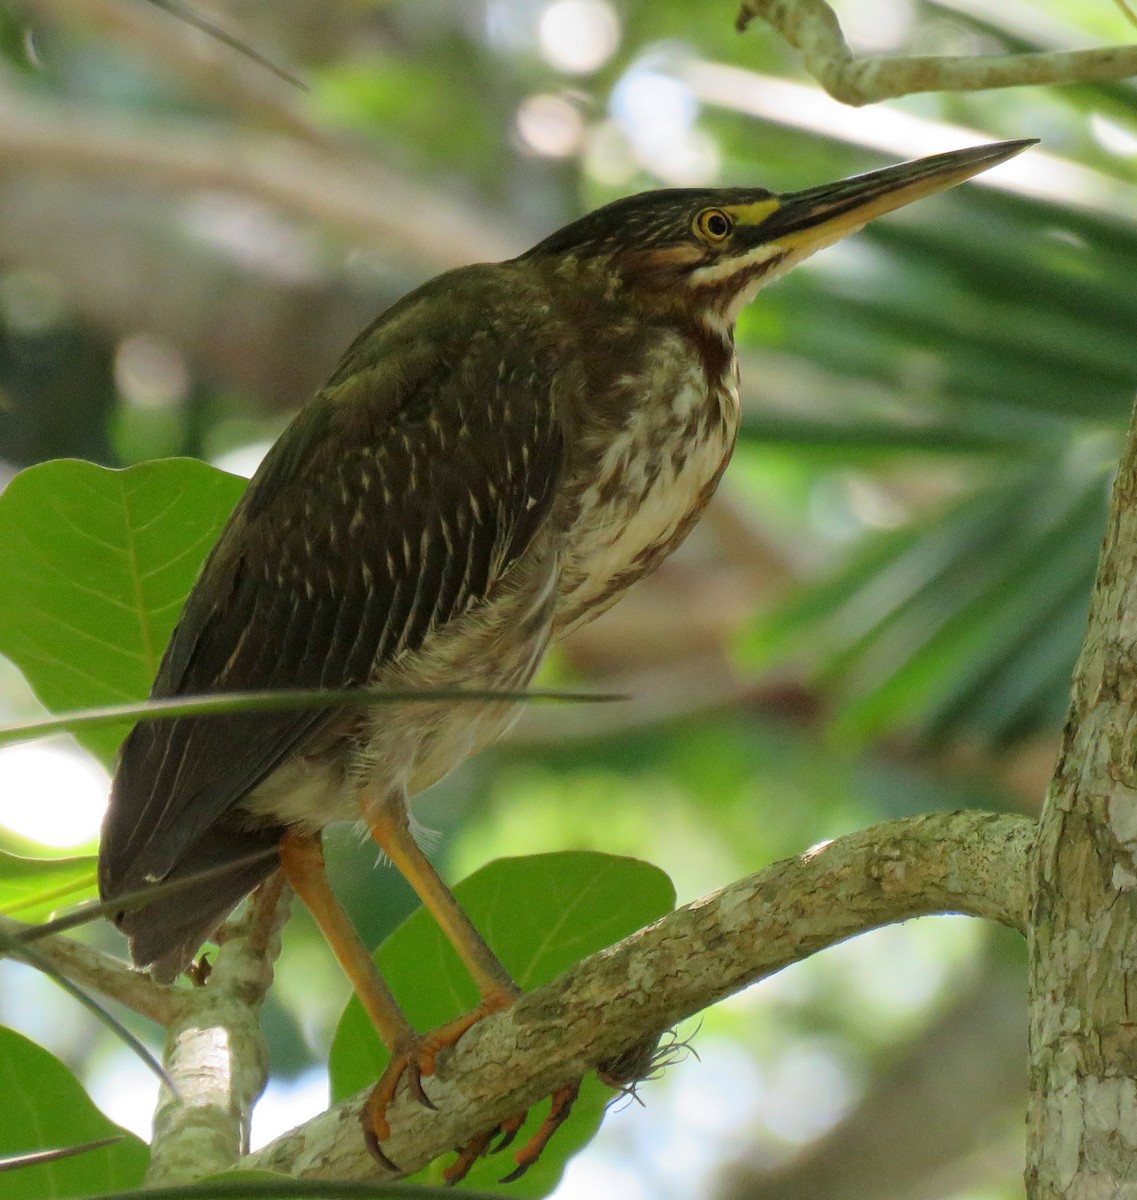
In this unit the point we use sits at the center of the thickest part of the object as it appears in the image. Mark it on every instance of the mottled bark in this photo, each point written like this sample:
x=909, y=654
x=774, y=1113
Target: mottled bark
x=811, y=26
x=1082, y=1123
x=216, y=1054
x=968, y=862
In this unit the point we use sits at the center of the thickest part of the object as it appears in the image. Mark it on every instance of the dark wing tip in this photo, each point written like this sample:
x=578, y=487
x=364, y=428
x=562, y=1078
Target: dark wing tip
x=167, y=933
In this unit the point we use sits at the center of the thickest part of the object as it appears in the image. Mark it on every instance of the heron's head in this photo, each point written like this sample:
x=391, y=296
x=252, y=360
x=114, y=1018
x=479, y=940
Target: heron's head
x=712, y=248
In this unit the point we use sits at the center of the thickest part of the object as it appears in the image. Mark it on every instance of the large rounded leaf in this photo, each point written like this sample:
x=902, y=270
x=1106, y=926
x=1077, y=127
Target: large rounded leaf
x=96, y=565
x=541, y=914
x=45, y=1107
x=31, y=889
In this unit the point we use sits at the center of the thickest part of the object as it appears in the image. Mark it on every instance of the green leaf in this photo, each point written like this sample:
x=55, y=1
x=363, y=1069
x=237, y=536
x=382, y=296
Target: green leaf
x=96, y=566
x=45, y=1107
x=541, y=914
x=34, y=888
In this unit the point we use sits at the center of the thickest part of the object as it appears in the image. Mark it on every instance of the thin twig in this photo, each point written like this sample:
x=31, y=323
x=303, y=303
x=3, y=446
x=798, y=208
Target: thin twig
x=17, y=1162
x=812, y=27
x=283, y=700
x=139, y=898
x=33, y=958
x=184, y=13
x=201, y=63
x=105, y=974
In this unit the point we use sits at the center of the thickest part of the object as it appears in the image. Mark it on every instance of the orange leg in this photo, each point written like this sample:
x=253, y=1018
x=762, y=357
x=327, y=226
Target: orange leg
x=302, y=860
x=390, y=827
x=412, y=1055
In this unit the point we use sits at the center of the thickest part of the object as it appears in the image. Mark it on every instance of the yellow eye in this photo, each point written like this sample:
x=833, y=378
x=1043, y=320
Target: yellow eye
x=713, y=225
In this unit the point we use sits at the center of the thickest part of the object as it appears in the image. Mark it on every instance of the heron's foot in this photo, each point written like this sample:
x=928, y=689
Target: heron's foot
x=413, y=1058
x=562, y=1102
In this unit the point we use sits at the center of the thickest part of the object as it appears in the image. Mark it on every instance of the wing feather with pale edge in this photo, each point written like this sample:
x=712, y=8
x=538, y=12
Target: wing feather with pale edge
x=396, y=501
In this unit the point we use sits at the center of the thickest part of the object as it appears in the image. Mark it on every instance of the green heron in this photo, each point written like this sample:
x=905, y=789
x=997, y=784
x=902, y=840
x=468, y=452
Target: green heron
x=497, y=458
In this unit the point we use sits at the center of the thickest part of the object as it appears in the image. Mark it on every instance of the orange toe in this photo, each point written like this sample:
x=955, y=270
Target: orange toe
x=563, y=1100
x=414, y=1058
x=467, y=1156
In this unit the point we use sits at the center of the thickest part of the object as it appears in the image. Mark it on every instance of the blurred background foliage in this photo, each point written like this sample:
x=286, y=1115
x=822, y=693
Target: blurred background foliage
x=877, y=616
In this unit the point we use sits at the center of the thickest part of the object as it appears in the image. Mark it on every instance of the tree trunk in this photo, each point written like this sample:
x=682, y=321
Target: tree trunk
x=1082, y=1119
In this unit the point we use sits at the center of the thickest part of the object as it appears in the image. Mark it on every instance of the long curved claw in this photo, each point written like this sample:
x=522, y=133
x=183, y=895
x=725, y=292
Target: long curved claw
x=507, y=1131
x=563, y=1100
x=467, y=1156
x=416, y=1057
x=404, y=1061
x=476, y=1147
x=376, y=1151
x=413, y=1059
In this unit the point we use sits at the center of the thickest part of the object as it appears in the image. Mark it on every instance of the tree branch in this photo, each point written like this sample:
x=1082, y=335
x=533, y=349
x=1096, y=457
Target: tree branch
x=969, y=862
x=105, y=974
x=811, y=26
x=1080, y=1124
x=216, y=1052
x=354, y=195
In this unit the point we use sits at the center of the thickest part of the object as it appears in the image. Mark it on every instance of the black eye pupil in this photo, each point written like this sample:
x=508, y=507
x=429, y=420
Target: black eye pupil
x=718, y=225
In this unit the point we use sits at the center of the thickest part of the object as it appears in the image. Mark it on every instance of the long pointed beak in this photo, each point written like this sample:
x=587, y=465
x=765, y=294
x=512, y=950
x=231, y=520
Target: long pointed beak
x=822, y=215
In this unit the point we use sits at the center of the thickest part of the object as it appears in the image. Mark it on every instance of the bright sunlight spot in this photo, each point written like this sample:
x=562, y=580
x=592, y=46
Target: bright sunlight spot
x=578, y=36
x=658, y=114
x=550, y=125
x=243, y=460
x=150, y=372
x=1113, y=137
x=52, y=793
x=124, y=1090
x=287, y=1103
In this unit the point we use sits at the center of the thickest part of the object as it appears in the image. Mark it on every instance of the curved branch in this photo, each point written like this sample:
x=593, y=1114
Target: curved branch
x=105, y=974
x=811, y=26
x=216, y=1053
x=969, y=862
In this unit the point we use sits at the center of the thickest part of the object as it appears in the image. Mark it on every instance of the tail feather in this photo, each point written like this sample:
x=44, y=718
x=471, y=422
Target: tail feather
x=166, y=934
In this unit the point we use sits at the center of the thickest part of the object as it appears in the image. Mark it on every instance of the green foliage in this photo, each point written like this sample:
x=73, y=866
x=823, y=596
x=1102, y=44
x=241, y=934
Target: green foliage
x=971, y=623
x=400, y=100
x=984, y=338
x=540, y=915
x=96, y=567
x=45, y=1107
x=31, y=889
